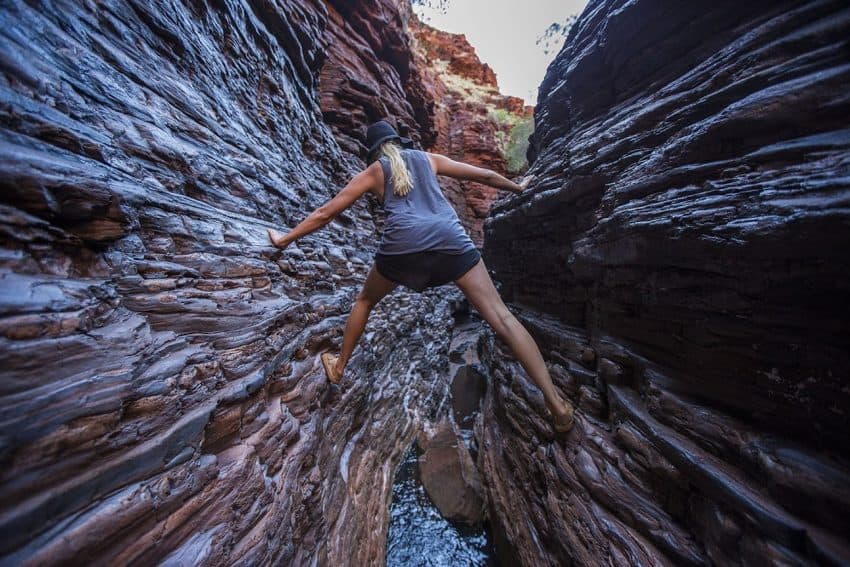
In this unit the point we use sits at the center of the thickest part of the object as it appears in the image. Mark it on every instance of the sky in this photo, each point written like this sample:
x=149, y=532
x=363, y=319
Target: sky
x=503, y=33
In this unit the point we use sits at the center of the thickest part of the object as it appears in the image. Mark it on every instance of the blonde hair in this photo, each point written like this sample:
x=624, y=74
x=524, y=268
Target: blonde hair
x=400, y=176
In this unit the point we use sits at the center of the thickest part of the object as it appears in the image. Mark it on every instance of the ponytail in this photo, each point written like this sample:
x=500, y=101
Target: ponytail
x=400, y=176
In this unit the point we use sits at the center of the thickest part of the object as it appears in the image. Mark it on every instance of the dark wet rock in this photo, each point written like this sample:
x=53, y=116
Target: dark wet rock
x=418, y=532
x=372, y=73
x=688, y=228
x=468, y=376
x=163, y=401
x=449, y=475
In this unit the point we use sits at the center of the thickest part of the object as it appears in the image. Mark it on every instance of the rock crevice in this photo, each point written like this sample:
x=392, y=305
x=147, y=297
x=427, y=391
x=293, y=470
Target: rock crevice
x=679, y=258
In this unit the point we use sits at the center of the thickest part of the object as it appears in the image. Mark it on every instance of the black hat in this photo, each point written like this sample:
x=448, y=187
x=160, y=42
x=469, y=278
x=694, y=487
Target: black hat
x=378, y=133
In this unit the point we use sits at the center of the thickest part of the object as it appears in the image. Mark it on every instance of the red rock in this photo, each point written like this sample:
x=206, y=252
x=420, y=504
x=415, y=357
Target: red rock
x=414, y=75
x=680, y=259
x=450, y=477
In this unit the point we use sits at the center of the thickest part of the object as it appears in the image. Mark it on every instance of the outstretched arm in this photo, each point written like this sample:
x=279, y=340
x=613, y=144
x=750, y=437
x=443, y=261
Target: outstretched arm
x=459, y=170
x=366, y=180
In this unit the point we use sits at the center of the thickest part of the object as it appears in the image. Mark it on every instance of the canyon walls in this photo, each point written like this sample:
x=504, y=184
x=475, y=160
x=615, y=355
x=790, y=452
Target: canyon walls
x=682, y=257
x=162, y=399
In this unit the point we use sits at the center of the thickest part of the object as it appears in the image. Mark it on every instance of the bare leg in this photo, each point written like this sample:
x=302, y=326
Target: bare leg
x=479, y=289
x=374, y=290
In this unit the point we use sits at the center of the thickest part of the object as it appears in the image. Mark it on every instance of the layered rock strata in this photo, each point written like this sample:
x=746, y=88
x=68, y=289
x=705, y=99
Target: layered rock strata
x=161, y=396
x=681, y=258
x=371, y=72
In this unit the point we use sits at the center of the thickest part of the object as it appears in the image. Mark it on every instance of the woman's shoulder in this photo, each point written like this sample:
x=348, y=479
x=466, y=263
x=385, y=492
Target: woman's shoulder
x=415, y=153
x=426, y=157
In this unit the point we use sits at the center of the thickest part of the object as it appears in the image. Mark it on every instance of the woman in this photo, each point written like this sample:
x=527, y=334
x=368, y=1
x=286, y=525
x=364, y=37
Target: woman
x=424, y=245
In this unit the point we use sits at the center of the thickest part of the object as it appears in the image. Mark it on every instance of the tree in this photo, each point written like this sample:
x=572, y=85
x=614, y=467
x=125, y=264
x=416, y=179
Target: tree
x=439, y=5
x=553, y=37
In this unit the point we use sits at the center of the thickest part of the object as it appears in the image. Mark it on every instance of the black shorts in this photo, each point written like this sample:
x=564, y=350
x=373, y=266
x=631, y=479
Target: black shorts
x=430, y=268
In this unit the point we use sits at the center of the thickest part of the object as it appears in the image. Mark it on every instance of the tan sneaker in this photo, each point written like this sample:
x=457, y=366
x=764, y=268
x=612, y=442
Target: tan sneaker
x=564, y=423
x=329, y=362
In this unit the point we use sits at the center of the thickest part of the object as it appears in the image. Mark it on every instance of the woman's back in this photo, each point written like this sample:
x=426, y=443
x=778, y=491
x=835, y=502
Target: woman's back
x=423, y=219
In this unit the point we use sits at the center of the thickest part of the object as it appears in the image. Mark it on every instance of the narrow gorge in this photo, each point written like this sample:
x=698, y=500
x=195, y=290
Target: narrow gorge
x=679, y=256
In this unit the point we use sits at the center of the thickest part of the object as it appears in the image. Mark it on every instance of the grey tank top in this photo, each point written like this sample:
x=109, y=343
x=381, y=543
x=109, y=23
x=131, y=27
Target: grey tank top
x=423, y=219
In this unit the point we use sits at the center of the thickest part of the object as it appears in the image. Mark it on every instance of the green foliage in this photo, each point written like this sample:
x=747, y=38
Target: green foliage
x=517, y=144
x=553, y=37
x=502, y=115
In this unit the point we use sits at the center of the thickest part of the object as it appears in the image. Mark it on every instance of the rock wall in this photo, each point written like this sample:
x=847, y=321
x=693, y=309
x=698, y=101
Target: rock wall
x=372, y=73
x=682, y=258
x=161, y=396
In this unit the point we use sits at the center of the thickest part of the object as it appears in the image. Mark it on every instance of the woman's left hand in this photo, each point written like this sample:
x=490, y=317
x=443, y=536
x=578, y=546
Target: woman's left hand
x=278, y=238
x=525, y=181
